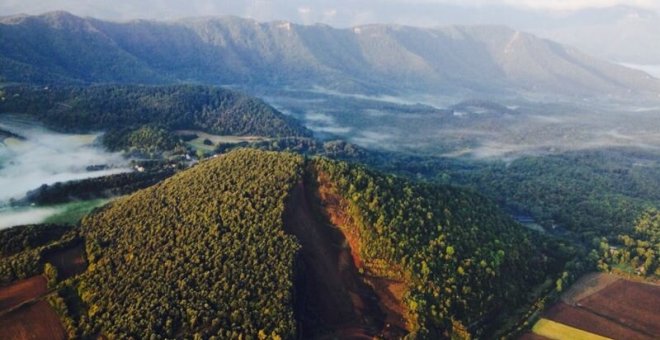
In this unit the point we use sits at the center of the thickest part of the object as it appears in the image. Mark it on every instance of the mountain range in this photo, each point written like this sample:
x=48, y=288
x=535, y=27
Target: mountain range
x=59, y=47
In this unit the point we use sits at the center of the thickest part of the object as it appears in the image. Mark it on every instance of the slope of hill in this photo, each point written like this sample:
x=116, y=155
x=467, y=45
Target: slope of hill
x=263, y=244
x=202, y=252
x=94, y=108
x=59, y=47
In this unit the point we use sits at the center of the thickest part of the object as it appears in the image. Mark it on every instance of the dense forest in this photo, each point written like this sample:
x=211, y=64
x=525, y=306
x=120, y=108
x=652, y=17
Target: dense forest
x=592, y=193
x=637, y=252
x=467, y=263
x=143, y=116
x=17, y=239
x=202, y=253
x=97, y=187
x=24, y=249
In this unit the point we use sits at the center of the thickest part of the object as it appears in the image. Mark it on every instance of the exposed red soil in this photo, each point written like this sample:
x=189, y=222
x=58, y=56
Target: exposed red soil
x=389, y=292
x=32, y=321
x=585, y=320
x=334, y=299
x=22, y=291
x=633, y=304
x=68, y=261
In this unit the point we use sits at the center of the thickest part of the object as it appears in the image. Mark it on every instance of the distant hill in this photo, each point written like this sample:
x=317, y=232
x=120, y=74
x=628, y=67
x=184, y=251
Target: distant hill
x=244, y=244
x=60, y=47
x=145, y=115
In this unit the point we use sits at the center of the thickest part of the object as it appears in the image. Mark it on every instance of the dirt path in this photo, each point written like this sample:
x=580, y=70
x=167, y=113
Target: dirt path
x=333, y=300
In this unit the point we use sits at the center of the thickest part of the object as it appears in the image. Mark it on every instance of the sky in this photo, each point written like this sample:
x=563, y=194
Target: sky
x=337, y=12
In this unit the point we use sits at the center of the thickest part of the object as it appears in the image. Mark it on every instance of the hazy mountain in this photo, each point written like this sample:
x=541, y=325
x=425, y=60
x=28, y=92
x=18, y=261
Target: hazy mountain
x=60, y=47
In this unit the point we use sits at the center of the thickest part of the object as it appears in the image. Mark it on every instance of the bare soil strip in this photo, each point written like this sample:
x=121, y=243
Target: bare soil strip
x=333, y=299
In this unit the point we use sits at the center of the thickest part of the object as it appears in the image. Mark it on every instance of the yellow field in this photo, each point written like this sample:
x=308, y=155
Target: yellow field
x=558, y=331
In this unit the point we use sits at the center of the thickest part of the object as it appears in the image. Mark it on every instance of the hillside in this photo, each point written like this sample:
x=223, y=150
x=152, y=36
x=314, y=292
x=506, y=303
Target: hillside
x=264, y=244
x=108, y=107
x=59, y=47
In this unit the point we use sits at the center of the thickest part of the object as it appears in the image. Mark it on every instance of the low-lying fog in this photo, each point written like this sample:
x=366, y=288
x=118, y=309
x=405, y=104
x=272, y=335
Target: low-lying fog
x=489, y=129
x=45, y=157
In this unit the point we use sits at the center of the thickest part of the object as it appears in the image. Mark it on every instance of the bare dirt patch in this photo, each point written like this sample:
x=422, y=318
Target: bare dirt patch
x=22, y=291
x=386, y=279
x=69, y=261
x=32, y=321
x=334, y=300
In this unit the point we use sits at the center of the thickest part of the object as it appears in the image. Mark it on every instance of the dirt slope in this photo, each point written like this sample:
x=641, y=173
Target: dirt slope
x=333, y=298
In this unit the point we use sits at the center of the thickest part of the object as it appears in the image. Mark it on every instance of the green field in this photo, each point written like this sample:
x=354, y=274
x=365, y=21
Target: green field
x=72, y=212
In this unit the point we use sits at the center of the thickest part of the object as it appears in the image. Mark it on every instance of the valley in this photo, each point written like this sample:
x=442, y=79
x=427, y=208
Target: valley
x=224, y=178
x=41, y=157
x=483, y=129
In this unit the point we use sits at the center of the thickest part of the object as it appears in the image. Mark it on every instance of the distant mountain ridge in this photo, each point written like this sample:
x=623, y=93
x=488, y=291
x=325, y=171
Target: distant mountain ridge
x=60, y=47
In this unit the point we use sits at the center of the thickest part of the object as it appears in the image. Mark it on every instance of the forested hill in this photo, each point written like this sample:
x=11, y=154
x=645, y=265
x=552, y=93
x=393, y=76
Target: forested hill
x=209, y=252
x=119, y=107
x=202, y=252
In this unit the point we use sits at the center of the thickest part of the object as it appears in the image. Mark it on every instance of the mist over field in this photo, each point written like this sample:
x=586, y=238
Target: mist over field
x=10, y=217
x=45, y=157
x=477, y=128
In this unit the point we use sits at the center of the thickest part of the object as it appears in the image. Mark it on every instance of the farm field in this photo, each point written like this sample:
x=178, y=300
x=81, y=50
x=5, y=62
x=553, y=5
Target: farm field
x=603, y=306
x=556, y=330
x=24, y=314
x=198, y=143
x=22, y=291
x=32, y=321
